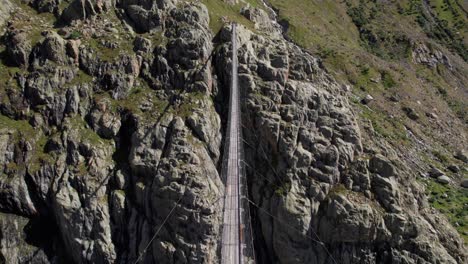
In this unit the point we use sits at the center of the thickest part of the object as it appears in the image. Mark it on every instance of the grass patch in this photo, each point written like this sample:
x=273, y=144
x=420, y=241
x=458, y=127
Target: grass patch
x=452, y=202
x=389, y=128
x=85, y=133
x=40, y=157
x=75, y=35
x=105, y=53
x=29, y=20
x=220, y=10
x=80, y=78
x=338, y=189
x=387, y=80
x=22, y=129
x=283, y=189
x=133, y=103
x=440, y=156
x=191, y=102
x=446, y=23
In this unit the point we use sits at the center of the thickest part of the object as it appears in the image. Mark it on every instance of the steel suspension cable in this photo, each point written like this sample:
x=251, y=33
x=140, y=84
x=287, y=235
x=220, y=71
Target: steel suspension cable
x=318, y=240
x=160, y=228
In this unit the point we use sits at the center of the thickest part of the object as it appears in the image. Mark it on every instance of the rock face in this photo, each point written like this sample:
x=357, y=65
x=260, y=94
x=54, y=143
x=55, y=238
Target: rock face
x=112, y=168
x=422, y=54
x=5, y=9
x=310, y=175
x=97, y=148
x=82, y=9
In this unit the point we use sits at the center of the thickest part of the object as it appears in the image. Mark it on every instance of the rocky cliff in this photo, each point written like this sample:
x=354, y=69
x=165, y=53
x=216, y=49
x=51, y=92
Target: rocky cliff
x=113, y=114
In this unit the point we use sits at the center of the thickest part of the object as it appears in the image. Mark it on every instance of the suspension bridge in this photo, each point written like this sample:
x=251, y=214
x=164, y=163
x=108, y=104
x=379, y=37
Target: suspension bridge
x=236, y=245
x=236, y=238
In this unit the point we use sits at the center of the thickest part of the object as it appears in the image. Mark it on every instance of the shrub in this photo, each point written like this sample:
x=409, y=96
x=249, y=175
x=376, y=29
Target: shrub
x=75, y=35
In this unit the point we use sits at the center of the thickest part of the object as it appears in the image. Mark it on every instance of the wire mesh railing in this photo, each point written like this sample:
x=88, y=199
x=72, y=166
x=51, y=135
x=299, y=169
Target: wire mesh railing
x=234, y=152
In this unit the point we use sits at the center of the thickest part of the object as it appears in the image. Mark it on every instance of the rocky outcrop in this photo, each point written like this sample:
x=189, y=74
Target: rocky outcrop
x=325, y=200
x=83, y=9
x=14, y=248
x=5, y=9
x=18, y=47
x=430, y=57
x=109, y=163
x=147, y=15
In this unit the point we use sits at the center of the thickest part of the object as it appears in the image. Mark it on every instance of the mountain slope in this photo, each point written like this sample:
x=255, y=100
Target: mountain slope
x=113, y=113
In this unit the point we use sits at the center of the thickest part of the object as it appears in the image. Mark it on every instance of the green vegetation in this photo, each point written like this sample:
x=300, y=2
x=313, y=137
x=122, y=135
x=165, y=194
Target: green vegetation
x=389, y=128
x=220, y=11
x=363, y=78
x=338, y=189
x=134, y=100
x=309, y=23
x=81, y=77
x=75, y=35
x=104, y=52
x=40, y=157
x=451, y=201
x=22, y=129
x=7, y=76
x=387, y=80
x=283, y=188
x=86, y=134
x=440, y=156
x=32, y=22
x=191, y=102
x=443, y=20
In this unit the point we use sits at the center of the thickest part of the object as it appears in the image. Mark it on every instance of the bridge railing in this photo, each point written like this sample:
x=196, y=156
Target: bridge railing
x=224, y=169
x=247, y=237
x=247, y=253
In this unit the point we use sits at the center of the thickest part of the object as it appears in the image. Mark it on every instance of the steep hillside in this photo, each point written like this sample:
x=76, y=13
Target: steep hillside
x=112, y=114
x=410, y=57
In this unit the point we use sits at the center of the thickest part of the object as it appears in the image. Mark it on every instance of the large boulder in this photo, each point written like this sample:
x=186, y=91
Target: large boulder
x=464, y=183
x=53, y=48
x=381, y=165
x=443, y=179
x=83, y=9
x=462, y=155
x=6, y=6
x=435, y=172
x=18, y=47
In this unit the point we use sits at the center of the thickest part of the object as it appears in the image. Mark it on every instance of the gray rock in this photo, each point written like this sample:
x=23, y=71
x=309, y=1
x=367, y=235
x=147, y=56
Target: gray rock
x=143, y=19
x=435, y=172
x=261, y=20
x=411, y=113
x=103, y=121
x=429, y=56
x=432, y=115
x=53, y=48
x=72, y=48
x=46, y=5
x=443, y=179
x=367, y=99
x=461, y=155
x=6, y=7
x=379, y=164
x=83, y=9
x=464, y=183
x=14, y=248
x=109, y=170
x=142, y=44
x=18, y=47
x=454, y=168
